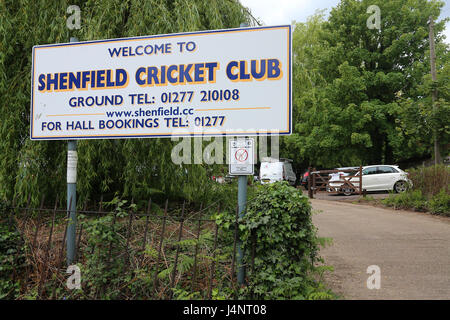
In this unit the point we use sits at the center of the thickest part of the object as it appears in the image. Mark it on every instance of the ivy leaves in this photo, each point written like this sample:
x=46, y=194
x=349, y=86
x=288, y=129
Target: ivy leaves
x=278, y=224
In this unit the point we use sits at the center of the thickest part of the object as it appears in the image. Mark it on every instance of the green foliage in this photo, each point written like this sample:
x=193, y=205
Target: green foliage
x=102, y=270
x=417, y=120
x=368, y=198
x=410, y=199
x=278, y=221
x=431, y=180
x=111, y=272
x=363, y=96
x=430, y=191
x=12, y=255
x=105, y=267
x=440, y=203
x=183, y=294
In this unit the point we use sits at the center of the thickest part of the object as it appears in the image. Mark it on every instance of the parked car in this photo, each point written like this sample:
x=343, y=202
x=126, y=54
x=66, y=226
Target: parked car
x=305, y=177
x=229, y=178
x=272, y=170
x=218, y=179
x=304, y=180
x=335, y=177
x=376, y=178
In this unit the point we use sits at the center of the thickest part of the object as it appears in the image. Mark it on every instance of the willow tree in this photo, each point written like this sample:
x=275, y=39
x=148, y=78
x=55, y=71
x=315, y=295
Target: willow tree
x=136, y=167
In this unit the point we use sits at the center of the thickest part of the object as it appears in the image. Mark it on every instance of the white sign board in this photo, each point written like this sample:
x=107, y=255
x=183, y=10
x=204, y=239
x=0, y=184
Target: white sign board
x=214, y=83
x=72, y=160
x=241, y=156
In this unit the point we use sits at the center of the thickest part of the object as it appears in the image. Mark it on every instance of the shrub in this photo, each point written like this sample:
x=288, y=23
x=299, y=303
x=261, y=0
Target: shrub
x=116, y=265
x=100, y=272
x=278, y=221
x=430, y=192
x=440, y=203
x=431, y=180
x=410, y=199
x=12, y=255
x=107, y=272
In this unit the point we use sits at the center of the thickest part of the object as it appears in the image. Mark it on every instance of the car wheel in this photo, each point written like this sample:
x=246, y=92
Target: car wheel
x=400, y=186
x=348, y=191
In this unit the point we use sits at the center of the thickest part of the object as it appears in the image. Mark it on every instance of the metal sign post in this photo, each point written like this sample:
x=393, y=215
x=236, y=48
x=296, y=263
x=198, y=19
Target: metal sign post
x=72, y=160
x=242, y=202
x=241, y=155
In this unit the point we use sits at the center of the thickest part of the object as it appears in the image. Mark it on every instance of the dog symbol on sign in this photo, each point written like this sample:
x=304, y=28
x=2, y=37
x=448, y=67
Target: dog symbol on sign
x=241, y=155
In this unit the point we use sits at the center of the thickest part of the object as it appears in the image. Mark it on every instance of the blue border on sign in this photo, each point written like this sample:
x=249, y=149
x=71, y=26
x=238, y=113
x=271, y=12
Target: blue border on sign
x=203, y=134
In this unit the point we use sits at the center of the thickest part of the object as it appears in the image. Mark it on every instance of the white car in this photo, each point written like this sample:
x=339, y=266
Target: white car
x=336, y=177
x=377, y=178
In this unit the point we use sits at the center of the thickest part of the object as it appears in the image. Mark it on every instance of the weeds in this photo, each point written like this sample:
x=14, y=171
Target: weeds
x=431, y=180
x=430, y=192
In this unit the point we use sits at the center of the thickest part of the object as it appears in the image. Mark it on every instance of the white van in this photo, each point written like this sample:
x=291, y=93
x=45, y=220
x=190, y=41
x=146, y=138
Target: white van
x=272, y=170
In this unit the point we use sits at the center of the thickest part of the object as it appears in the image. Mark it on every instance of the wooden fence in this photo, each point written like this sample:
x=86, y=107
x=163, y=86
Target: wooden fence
x=320, y=181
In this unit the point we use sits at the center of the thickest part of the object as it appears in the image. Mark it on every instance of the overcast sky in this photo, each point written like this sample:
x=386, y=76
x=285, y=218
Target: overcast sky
x=273, y=12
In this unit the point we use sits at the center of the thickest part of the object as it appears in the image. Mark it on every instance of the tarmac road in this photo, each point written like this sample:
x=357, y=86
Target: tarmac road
x=411, y=249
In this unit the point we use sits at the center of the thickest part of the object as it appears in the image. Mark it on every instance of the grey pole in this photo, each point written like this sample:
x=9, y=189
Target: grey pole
x=242, y=202
x=72, y=160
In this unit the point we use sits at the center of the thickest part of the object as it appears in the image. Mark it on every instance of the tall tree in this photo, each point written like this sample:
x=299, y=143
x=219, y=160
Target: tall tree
x=350, y=116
